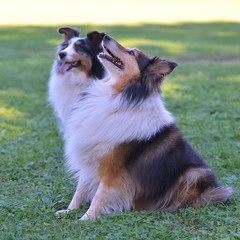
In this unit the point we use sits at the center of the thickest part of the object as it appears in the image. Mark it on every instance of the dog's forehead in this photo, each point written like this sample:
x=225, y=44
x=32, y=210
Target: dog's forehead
x=142, y=59
x=77, y=40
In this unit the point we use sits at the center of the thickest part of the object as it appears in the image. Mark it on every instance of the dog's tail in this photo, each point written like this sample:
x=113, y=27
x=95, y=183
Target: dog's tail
x=196, y=188
x=200, y=188
x=214, y=195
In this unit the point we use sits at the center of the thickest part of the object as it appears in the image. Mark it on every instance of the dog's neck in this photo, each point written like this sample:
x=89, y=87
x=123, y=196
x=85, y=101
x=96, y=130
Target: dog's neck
x=97, y=70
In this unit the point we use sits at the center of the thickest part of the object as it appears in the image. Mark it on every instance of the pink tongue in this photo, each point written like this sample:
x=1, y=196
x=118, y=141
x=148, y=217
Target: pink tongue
x=64, y=67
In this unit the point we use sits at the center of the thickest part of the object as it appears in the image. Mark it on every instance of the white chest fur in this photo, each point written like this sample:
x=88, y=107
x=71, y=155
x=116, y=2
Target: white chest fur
x=100, y=122
x=64, y=90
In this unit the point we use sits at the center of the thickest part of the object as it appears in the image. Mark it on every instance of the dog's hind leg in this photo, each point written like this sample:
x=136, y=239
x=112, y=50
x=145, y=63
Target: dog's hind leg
x=198, y=188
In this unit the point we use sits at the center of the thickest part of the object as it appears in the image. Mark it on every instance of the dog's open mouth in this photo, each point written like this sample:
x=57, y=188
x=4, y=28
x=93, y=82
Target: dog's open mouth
x=67, y=66
x=107, y=54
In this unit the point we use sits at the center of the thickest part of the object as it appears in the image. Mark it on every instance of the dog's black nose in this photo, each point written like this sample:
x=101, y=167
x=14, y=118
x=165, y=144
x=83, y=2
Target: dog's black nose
x=62, y=55
x=106, y=37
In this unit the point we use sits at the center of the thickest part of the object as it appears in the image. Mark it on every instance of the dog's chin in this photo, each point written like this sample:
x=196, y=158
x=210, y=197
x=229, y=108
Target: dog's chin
x=111, y=68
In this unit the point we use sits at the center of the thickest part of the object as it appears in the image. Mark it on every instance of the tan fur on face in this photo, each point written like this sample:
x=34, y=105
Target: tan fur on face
x=131, y=69
x=86, y=63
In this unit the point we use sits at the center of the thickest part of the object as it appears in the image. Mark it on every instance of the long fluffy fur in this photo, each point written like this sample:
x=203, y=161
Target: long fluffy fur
x=126, y=150
x=65, y=88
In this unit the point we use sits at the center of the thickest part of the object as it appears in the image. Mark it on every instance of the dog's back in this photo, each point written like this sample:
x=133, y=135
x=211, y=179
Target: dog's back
x=169, y=174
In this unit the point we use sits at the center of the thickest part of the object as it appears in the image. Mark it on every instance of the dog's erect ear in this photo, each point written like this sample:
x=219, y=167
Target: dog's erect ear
x=155, y=71
x=95, y=37
x=158, y=68
x=68, y=32
x=162, y=66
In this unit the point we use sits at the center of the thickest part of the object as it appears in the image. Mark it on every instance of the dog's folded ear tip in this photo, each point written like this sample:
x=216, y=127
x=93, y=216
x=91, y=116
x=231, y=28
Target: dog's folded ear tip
x=72, y=32
x=64, y=29
x=172, y=65
x=60, y=30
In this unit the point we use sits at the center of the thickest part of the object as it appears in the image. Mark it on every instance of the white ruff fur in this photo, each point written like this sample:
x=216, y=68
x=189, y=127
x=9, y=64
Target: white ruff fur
x=101, y=121
x=64, y=90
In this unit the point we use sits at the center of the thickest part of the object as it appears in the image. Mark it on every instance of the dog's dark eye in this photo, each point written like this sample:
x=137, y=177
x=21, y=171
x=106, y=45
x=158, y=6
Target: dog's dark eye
x=131, y=52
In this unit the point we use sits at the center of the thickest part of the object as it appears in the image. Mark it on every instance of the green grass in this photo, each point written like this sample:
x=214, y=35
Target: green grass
x=202, y=93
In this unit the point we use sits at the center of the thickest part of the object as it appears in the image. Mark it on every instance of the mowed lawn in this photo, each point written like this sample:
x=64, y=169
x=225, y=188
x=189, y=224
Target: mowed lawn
x=203, y=93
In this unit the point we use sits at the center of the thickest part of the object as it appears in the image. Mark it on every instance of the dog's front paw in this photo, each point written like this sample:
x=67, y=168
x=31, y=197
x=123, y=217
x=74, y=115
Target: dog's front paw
x=62, y=212
x=86, y=217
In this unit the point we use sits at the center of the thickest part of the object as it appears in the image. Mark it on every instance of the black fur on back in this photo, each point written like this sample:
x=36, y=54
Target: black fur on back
x=157, y=164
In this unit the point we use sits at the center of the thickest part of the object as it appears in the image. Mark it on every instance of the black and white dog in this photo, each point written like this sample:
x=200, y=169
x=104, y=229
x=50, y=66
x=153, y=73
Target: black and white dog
x=75, y=67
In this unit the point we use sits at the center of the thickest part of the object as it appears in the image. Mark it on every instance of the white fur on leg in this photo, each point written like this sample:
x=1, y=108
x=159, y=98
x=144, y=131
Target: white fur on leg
x=77, y=200
x=97, y=204
x=108, y=200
